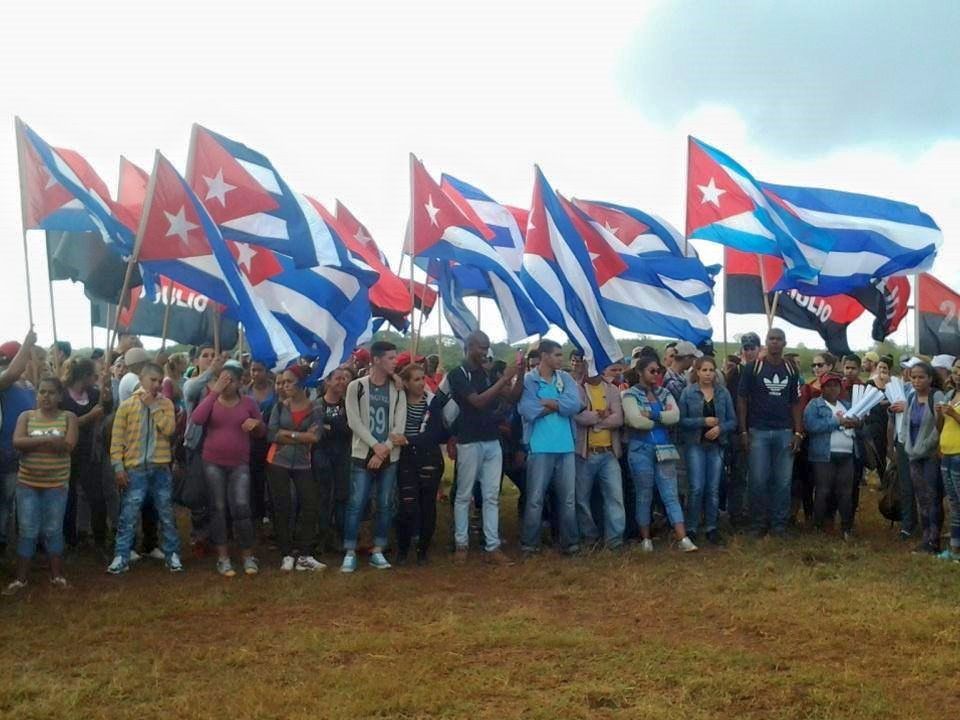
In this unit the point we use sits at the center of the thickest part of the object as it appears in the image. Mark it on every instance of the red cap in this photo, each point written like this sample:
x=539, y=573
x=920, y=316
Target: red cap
x=361, y=355
x=9, y=349
x=301, y=372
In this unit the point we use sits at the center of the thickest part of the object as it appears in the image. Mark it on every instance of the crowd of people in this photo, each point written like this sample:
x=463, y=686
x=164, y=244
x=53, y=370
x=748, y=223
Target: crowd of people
x=97, y=452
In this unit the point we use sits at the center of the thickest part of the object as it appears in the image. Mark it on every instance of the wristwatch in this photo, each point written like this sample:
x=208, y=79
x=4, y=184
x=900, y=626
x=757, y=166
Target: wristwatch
x=293, y=436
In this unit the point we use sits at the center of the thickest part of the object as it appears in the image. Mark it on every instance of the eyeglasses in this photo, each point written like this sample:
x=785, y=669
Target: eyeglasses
x=750, y=347
x=655, y=371
x=819, y=364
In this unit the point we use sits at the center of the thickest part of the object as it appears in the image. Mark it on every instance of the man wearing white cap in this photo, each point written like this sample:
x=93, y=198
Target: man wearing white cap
x=675, y=379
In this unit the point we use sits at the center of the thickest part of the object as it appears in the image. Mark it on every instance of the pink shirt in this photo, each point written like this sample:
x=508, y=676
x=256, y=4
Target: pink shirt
x=225, y=442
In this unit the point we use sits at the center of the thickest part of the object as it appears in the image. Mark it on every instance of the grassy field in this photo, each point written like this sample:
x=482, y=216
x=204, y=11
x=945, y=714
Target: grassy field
x=803, y=628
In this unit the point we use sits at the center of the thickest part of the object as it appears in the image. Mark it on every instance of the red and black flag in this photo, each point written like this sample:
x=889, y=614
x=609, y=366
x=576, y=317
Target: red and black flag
x=939, y=325
x=744, y=290
x=190, y=320
x=888, y=299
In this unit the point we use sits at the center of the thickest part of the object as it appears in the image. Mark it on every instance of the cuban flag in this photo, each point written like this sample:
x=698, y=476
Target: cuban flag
x=564, y=281
x=174, y=226
x=132, y=187
x=61, y=191
x=461, y=319
x=872, y=237
x=725, y=204
x=439, y=230
x=390, y=295
x=659, y=294
x=504, y=223
x=251, y=203
x=646, y=241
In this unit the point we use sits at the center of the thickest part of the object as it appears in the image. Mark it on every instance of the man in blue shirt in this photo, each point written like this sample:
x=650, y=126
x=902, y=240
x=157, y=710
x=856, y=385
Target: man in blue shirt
x=16, y=396
x=549, y=401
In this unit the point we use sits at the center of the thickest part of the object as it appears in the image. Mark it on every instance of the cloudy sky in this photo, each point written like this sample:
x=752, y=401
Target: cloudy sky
x=860, y=96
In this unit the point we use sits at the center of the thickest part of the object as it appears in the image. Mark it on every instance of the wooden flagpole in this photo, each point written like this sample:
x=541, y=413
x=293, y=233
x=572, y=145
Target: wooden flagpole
x=411, y=247
x=18, y=125
x=53, y=312
x=216, y=330
x=131, y=263
x=166, y=315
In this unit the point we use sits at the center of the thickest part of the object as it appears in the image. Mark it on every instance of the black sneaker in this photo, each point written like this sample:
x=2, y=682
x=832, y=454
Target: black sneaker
x=422, y=558
x=926, y=548
x=714, y=538
x=401, y=558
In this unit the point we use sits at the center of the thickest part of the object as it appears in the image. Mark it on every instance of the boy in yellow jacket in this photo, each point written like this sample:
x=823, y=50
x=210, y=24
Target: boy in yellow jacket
x=141, y=456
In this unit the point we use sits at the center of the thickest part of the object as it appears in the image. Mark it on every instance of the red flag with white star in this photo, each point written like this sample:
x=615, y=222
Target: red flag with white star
x=432, y=211
x=712, y=195
x=227, y=189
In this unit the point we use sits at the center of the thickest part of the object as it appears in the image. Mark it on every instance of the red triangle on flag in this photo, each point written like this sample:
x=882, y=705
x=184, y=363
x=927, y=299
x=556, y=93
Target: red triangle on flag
x=606, y=262
x=255, y=261
x=226, y=189
x=431, y=210
x=171, y=228
x=538, y=233
x=712, y=195
x=623, y=227
x=132, y=187
x=42, y=193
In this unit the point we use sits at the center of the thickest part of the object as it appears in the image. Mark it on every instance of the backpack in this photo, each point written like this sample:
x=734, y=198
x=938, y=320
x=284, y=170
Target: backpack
x=889, y=503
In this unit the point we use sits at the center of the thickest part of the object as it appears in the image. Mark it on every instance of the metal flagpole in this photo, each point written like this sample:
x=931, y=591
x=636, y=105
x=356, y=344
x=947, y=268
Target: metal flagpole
x=216, y=330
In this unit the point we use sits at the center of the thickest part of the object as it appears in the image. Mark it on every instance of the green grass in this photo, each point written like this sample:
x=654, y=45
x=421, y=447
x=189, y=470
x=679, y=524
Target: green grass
x=803, y=628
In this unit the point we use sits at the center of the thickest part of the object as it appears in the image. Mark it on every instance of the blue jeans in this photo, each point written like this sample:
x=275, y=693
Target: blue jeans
x=361, y=483
x=157, y=482
x=544, y=470
x=771, y=472
x=647, y=473
x=950, y=469
x=479, y=462
x=605, y=469
x=704, y=468
x=40, y=514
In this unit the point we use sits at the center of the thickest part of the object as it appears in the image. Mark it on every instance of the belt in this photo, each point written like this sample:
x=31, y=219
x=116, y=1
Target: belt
x=599, y=450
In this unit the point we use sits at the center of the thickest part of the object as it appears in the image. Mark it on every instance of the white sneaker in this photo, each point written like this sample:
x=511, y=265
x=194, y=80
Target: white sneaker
x=309, y=562
x=173, y=563
x=118, y=566
x=686, y=545
x=646, y=546
x=134, y=556
x=156, y=554
x=287, y=563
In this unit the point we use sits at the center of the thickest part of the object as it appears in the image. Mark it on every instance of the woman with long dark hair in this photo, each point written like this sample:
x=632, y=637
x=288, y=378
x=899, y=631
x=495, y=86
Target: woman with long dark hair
x=230, y=419
x=295, y=427
x=89, y=399
x=922, y=446
x=44, y=438
x=648, y=411
x=421, y=466
x=707, y=419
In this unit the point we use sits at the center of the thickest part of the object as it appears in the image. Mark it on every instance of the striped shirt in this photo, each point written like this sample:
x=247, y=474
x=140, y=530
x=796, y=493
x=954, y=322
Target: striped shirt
x=45, y=469
x=415, y=415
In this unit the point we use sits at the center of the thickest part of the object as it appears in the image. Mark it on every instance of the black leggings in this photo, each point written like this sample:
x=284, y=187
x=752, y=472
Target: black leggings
x=418, y=479
x=305, y=537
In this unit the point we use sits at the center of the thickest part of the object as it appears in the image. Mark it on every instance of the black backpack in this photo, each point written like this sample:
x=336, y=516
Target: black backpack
x=889, y=503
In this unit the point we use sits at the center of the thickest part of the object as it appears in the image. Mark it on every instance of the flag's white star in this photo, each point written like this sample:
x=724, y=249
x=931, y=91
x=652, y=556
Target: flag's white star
x=711, y=193
x=612, y=230
x=217, y=188
x=179, y=225
x=362, y=237
x=246, y=256
x=51, y=180
x=432, y=210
